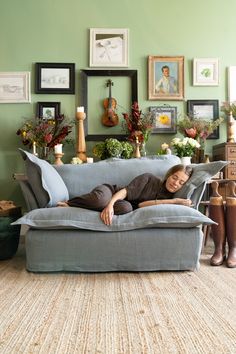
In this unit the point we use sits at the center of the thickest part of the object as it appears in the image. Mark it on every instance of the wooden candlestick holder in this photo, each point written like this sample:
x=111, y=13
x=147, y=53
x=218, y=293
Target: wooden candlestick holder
x=58, y=157
x=81, y=146
x=231, y=129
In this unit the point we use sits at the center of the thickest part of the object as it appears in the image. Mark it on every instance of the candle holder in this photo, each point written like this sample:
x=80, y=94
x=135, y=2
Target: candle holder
x=137, y=153
x=58, y=157
x=81, y=146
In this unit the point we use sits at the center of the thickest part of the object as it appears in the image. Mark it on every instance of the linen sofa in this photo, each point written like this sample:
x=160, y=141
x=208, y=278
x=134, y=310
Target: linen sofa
x=160, y=237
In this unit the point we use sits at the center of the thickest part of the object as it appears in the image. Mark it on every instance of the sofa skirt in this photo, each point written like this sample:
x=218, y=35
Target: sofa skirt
x=154, y=249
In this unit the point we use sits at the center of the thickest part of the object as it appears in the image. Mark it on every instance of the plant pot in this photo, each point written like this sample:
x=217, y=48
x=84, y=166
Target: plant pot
x=186, y=160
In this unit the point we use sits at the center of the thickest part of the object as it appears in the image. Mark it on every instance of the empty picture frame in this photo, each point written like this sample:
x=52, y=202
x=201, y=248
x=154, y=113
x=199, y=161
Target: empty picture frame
x=109, y=47
x=56, y=78
x=164, y=119
x=48, y=110
x=206, y=72
x=15, y=87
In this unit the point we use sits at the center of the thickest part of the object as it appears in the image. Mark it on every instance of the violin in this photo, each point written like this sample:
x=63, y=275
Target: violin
x=109, y=117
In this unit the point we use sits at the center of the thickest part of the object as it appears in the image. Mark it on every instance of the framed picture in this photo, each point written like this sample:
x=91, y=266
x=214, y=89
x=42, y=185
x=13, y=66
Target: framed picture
x=56, y=78
x=232, y=84
x=204, y=109
x=165, y=78
x=206, y=72
x=109, y=47
x=48, y=110
x=96, y=81
x=165, y=119
x=15, y=87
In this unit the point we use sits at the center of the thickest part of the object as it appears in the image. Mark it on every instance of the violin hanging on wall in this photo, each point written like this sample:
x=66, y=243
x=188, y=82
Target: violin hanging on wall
x=109, y=117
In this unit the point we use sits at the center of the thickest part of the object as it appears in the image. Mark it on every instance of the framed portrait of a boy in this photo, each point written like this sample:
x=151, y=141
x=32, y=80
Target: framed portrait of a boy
x=165, y=78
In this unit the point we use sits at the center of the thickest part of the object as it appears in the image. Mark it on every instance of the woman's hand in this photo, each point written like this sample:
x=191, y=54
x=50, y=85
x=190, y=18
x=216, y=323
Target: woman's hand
x=107, y=214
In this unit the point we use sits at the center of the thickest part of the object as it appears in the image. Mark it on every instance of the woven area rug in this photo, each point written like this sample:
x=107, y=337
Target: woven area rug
x=157, y=312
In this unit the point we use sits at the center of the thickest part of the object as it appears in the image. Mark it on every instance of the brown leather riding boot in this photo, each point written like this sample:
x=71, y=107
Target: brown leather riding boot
x=231, y=226
x=217, y=214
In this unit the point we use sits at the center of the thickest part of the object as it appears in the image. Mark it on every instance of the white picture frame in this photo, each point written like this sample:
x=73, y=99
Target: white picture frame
x=205, y=72
x=15, y=87
x=109, y=47
x=232, y=84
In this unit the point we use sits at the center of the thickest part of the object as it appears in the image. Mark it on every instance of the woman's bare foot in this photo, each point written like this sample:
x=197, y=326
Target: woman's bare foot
x=62, y=204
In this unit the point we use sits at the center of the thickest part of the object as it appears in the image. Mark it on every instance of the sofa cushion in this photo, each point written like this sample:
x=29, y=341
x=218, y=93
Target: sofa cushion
x=46, y=183
x=158, y=216
x=201, y=173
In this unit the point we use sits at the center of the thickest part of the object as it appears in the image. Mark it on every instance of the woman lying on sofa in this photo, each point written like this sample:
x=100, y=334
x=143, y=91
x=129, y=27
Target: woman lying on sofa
x=144, y=190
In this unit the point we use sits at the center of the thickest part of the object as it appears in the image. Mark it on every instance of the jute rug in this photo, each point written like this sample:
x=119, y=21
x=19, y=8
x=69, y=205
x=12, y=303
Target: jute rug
x=114, y=313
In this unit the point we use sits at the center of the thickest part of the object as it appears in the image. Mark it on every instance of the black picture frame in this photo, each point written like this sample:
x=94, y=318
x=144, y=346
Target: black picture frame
x=132, y=74
x=169, y=125
x=54, y=109
x=205, y=109
x=55, y=78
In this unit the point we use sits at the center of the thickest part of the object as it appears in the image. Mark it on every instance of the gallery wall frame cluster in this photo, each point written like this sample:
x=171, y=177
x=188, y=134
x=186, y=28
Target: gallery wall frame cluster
x=109, y=56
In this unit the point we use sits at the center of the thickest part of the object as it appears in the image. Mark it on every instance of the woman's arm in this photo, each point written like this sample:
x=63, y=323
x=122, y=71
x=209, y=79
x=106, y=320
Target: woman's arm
x=180, y=201
x=108, y=212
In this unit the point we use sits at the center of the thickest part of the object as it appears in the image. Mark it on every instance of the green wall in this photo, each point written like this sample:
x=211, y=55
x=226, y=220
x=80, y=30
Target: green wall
x=58, y=31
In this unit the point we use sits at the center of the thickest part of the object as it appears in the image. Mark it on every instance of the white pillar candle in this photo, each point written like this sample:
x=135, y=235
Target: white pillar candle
x=89, y=159
x=58, y=149
x=80, y=109
x=34, y=147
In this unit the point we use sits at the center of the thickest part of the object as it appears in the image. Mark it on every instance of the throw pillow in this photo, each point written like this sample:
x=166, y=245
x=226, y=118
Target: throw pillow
x=46, y=183
x=202, y=172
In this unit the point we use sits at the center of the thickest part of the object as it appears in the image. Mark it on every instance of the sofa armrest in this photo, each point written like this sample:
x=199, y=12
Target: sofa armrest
x=30, y=200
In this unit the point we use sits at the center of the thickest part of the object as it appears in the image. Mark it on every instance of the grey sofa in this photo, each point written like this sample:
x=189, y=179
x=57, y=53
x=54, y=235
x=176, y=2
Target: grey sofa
x=161, y=237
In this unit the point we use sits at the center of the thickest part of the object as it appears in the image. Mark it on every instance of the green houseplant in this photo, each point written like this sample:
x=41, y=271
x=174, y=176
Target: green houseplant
x=113, y=148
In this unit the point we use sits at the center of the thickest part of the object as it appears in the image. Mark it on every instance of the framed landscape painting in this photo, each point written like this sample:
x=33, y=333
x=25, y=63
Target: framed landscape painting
x=204, y=109
x=58, y=78
x=15, y=87
x=165, y=78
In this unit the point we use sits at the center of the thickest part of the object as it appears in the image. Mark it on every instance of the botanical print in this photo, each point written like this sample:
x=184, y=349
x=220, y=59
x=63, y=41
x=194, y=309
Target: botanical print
x=48, y=113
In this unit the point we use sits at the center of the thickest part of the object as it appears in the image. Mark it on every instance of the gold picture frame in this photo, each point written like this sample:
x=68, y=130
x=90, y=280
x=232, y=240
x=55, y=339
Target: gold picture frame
x=165, y=78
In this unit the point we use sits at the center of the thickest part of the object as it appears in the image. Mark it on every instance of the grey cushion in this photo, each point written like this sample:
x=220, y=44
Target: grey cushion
x=46, y=183
x=158, y=216
x=201, y=173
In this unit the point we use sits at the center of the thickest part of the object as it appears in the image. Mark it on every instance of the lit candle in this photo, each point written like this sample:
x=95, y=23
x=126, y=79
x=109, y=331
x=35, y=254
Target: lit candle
x=34, y=147
x=58, y=149
x=80, y=109
x=89, y=160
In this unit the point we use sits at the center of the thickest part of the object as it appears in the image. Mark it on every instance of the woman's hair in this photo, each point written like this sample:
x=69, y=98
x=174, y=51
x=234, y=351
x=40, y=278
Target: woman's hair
x=176, y=168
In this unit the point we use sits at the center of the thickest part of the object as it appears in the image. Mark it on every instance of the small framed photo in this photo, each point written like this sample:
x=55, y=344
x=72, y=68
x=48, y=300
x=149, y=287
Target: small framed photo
x=205, y=72
x=48, y=110
x=56, y=78
x=204, y=109
x=165, y=78
x=164, y=119
x=232, y=84
x=15, y=87
x=109, y=47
